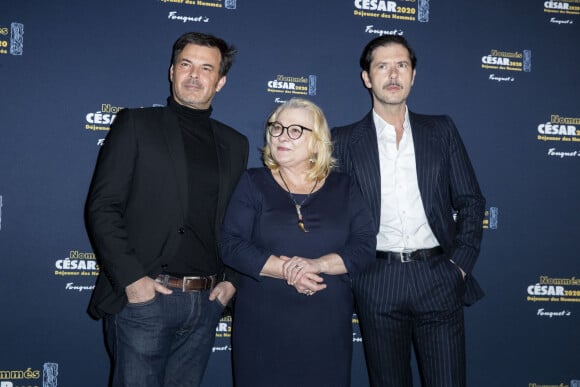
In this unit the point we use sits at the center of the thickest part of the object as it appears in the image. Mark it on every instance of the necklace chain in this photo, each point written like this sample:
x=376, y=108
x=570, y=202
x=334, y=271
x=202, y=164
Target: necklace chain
x=298, y=206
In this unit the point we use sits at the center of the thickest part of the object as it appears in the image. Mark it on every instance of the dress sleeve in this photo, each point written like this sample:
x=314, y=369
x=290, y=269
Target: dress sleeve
x=238, y=249
x=359, y=251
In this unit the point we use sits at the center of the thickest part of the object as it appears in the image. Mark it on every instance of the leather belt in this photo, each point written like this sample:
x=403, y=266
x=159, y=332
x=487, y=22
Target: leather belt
x=188, y=284
x=409, y=256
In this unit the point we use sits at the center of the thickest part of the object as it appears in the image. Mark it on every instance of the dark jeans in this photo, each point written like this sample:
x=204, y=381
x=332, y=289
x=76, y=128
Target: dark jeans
x=165, y=342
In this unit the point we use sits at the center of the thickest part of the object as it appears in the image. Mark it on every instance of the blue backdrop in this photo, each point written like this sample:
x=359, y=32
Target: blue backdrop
x=506, y=71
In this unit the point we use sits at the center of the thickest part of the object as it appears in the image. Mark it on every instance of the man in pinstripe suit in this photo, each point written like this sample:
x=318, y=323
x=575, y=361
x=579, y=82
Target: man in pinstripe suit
x=415, y=174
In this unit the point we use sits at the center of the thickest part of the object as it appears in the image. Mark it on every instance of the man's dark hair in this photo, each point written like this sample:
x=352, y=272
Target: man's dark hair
x=206, y=40
x=367, y=55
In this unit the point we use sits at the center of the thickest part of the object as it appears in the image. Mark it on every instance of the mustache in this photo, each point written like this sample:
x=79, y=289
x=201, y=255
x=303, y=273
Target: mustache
x=393, y=83
x=192, y=82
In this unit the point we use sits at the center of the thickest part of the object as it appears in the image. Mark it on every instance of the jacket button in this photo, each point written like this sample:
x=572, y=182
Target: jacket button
x=181, y=230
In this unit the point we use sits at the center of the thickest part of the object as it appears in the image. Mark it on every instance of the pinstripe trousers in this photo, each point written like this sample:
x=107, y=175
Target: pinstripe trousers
x=419, y=304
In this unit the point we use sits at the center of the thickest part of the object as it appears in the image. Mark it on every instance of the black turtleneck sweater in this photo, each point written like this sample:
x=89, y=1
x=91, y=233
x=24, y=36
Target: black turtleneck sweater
x=197, y=254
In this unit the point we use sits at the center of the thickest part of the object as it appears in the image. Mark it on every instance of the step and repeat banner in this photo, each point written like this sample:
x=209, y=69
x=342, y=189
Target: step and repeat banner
x=507, y=72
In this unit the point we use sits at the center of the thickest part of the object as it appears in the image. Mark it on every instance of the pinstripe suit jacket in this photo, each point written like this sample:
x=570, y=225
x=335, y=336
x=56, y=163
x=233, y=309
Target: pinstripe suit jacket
x=446, y=180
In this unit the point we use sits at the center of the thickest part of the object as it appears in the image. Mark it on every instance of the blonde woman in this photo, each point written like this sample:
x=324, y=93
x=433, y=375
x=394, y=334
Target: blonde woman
x=295, y=230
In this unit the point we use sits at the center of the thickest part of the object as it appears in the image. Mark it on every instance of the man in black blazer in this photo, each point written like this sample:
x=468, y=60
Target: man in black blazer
x=415, y=174
x=160, y=188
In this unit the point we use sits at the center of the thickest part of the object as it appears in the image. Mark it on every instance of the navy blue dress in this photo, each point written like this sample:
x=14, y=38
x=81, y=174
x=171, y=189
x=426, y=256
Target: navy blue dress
x=281, y=337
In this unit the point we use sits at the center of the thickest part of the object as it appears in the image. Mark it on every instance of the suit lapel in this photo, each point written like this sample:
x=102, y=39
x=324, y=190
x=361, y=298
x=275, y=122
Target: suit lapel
x=366, y=165
x=426, y=148
x=174, y=141
x=223, y=163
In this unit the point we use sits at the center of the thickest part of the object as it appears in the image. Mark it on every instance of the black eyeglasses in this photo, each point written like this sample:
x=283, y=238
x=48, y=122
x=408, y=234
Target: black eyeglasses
x=294, y=131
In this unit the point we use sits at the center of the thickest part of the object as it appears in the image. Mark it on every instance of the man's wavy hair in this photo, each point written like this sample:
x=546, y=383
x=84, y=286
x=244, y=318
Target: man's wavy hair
x=367, y=55
x=228, y=52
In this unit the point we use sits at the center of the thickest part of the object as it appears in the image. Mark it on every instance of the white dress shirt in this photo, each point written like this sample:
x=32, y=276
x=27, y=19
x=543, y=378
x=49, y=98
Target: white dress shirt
x=403, y=223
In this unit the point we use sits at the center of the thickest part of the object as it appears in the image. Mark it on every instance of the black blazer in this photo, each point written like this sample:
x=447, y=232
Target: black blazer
x=137, y=201
x=446, y=180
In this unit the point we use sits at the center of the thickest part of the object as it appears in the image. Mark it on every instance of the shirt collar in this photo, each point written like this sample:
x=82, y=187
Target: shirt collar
x=384, y=127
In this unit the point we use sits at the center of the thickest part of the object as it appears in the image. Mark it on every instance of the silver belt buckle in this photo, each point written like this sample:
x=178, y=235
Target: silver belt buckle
x=185, y=279
x=406, y=255
x=212, y=279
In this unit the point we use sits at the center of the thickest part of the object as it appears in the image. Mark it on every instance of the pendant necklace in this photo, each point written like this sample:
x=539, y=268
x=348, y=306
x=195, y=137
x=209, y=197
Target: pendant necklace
x=298, y=206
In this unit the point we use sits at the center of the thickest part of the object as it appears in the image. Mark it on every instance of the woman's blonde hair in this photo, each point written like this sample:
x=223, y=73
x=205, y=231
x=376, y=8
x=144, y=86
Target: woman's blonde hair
x=319, y=144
